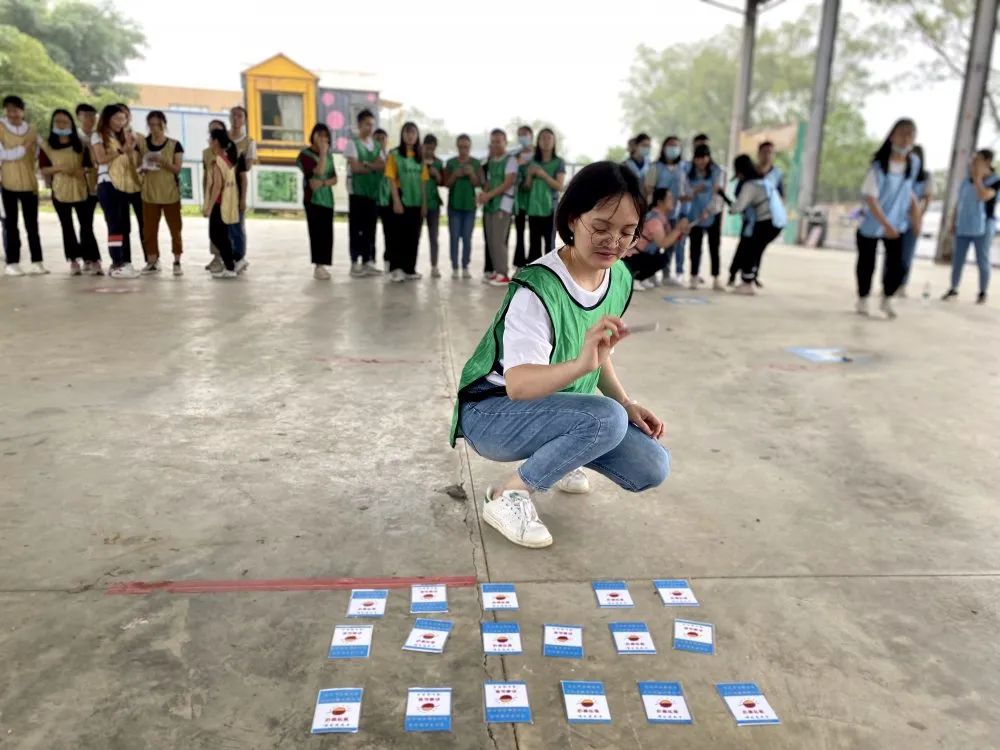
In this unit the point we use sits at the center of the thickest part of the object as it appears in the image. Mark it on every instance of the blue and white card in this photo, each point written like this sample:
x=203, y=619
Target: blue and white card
x=368, y=603
x=564, y=641
x=499, y=596
x=428, y=710
x=428, y=636
x=425, y=599
x=694, y=636
x=675, y=592
x=664, y=703
x=678, y=300
x=507, y=703
x=337, y=711
x=820, y=354
x=612, y=594
x=500, y=638
x=632, y=638
x=747, y=703
x=351, y=642
x=586, y=702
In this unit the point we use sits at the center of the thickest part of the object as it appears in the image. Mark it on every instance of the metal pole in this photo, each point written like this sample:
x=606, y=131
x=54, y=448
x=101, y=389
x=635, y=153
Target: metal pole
x=741, y=96
x=970, y=112
x=817, y=112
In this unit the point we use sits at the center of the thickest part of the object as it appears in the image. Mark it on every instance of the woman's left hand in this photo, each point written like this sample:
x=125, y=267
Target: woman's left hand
x=645, y=420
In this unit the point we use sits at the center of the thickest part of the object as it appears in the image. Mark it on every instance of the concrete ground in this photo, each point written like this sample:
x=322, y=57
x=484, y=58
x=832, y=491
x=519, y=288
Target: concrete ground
x=838, y=521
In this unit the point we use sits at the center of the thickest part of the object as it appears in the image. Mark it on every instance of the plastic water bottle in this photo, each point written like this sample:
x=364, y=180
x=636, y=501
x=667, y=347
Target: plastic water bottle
x=926, y=296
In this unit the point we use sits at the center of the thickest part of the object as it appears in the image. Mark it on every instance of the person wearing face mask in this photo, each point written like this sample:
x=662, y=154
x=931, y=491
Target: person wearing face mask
x=246, y=152
x=497, y=200
x=19, y=186
x=707, y=182
x=528, y=393
x=889, y=207
x=462, y=177
x=161, y=158
x=670, y=171
x=524, y=155
x=972, y=222
x=638, y=158
x=113, y=147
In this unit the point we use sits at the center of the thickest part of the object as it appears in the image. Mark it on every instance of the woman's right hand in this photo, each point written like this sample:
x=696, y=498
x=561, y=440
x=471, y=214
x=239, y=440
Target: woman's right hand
x=891, y=233
x=599, y=341
x=397, y=207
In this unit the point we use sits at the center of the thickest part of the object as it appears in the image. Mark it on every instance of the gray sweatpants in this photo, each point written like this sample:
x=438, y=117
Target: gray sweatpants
x=497, y=226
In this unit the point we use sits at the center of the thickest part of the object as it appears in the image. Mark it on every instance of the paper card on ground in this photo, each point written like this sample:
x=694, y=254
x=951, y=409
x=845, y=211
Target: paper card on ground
x=351, y=642
x=499, y=596
x=428, y=710
x=612, y=594
x=501, y=638
x=428, y=599
x=507, y=703
x=368, y=603
x=585, y=702
x=664, y=703
x=747, y=703
x=694, y=636
x=675, y=592
x=428, y=636
x=818, y=354
x=564, y=641
x=632, y=638
x=337, y=711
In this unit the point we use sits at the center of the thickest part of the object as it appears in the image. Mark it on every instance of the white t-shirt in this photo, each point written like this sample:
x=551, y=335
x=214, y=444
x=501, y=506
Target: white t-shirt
x=528, y=336
x=869, y=187
x=507, y=201
x=351, y=152
x=102, y=169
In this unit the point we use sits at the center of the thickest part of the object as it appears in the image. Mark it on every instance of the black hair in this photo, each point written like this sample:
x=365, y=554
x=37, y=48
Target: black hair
x=156, y=114
x=239, y=107
x=525, y=127
x=498, y=131
x=885, y=150
x=764, y=144
x=380, y=131
x=659, y=194
x=430, y=140
x=220, y=123
x=918, y=151
x=74, y=137
x=663, y=150
x=745, y=169
x=124, y=107
x=13, y=100
x=596, y=183
x=321, y=127
x=700, y=137
x=221, y=136
x=104, y=122
x=365, y=113
x=84, y=107
x=701, y=149
x=463, y=137
x=402, y=143
x=538, y=149
x=641, y=137
x=983, y=153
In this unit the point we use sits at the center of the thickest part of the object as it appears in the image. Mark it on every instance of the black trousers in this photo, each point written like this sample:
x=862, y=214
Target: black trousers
x=135, y=200
x=405, y=239
x=892, y=265
x=697, y=233
x=521, y=258
x=385, y=215
x=319, y=219
x=29, y=210
x=539, y=234
x=644, y=265
x=751, y=249
x=218, y=233
x=488, y=263
x=362, y=219
x=86, y=247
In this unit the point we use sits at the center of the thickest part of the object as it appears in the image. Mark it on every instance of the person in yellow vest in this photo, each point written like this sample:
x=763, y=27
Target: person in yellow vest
x=162, y=158
x=222, y=201
x=114, y=149
x=19, y=186
x=63, y=161
x=207, y=160
x=135, y=199
x=86, y=116
x=406, y=173
x=246, y=150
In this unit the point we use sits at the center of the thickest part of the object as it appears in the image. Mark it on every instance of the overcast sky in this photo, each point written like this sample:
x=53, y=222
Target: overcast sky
x=475, y=67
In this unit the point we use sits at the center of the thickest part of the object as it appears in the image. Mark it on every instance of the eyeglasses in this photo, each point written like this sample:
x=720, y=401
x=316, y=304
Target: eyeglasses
x=602, y=238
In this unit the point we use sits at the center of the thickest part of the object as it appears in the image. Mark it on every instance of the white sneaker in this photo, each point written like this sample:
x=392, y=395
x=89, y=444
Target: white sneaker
x=658, y=278
x=672, y=281
x=455, y=273
x=215, y=265
x=178, y=271
x=745, y=287
x=74, y=268
x=93, y=268
x=638, y=286
x=241, y=265
x=150, y=268
x=397, y=276
x=466, y=274
x=886, y=307
x=322, y=274
x=415, y=276
x=861, y=306
x=574, y=483
x=717, y=285
x=693, y=284
x=488, y=277
x=371, y=269
x=649, y=284
x=225, y=274
x=13, y=269
x=358, y=270
x=901, y=292
x=514, y=515
x=37, y=269
x=435, y=273
x=125, y=271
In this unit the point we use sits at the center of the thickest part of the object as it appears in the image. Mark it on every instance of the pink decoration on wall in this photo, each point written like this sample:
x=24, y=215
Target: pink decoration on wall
x=329, y=98
x=335, y=120
x=341, y=143
x=371, y=98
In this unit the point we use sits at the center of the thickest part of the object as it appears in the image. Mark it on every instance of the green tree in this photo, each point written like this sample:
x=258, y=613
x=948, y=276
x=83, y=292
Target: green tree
x=27, y=70
x=94, y=42
x=616, y=154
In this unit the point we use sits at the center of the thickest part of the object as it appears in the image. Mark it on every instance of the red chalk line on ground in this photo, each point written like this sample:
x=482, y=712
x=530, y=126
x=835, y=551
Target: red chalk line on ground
x=139, y=588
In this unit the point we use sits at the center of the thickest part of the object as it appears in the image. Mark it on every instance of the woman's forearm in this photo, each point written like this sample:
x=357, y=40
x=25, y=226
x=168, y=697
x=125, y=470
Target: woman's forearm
x=610, y=385
x=529, y=382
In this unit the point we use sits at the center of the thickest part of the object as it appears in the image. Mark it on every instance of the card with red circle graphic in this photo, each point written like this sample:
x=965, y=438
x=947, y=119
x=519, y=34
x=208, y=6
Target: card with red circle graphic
x=612, y=594
x=564, y=641
x=501, y=638
x=351, y=642
x=428, y=636
x=675, y=592
x=632, y=638
x=425, y=599
x=337, y=711
x=428, y=710
x=506, y=703
x=694, y=636
x=368, y=603
x=499, y=596
x=747, y=703
x=664, y=703
x=586, y=702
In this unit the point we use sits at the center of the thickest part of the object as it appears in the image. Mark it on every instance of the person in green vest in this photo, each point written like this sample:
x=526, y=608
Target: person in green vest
x=383, y=198
x=543, y=180
x=497, y=200
x=366, y=162
x=462, y=176
x=528, y=391
x=435, y=173
x=318, y=177
x=524, y=155
x=406, y=173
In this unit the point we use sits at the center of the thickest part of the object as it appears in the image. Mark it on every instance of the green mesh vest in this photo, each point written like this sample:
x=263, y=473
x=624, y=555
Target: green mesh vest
x=540, y=201
x=570, y=322
x=410, y=185
x=366, y=184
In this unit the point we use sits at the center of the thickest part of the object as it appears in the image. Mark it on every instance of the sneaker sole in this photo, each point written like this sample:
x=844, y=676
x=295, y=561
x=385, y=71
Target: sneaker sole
x=519, y=542
x=573, y=491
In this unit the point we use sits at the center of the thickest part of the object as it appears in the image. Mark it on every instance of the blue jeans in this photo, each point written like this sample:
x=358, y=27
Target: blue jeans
x=678, y=249
x=562, y=432
x=238, y=237
x=460, y=226
x=982, y=244
x=909, y=250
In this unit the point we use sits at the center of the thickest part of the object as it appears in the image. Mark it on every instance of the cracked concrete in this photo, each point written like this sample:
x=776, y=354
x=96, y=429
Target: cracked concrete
x=838, y=522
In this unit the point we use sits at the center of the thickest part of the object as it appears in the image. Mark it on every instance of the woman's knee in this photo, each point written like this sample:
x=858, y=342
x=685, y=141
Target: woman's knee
x=607, y=418
x=654, y=469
